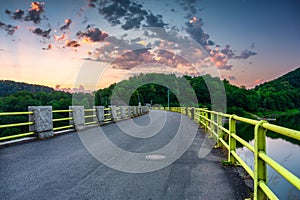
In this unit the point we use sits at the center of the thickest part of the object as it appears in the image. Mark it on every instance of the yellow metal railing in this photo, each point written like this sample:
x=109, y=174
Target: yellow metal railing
x=16, y=125
x=62, y=119
x=212, y=122
x=107, y=115
x=90, y=118
x=118, y=113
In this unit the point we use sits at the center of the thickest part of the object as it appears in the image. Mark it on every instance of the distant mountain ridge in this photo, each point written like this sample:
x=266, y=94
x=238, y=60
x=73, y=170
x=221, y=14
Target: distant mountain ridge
x=8, y=87
x=292, y=78
x=281, y=94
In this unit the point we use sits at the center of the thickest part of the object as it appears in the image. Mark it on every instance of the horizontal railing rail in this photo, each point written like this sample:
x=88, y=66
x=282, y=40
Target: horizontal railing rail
x=107, y=115
x=62, y=120
x=212, y=122
x=90, y=117
x=63, y=127
x=14, y=136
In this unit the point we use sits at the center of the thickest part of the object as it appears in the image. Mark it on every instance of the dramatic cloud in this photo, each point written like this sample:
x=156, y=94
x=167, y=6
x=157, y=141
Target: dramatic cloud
x=40, y=32
x=48, y=47
x=67, y=24
x=10, y=29
x=228, y=52
x=58, y=38
x=245, y=54
x=129, y=14
x=19, y=14
x=146, y=48
x=35, y=12
x=72, y=43
x=167, y=51
x=219, y=59
x=133, y=59
x=194, y=28
x=154, y=21
x=92, y=35
x=139, y=57
x=189, y=6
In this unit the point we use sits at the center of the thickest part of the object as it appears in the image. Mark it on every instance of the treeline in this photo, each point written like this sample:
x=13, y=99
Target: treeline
x=278, y=95
x=8, y=87
x=20, y=101
x=275, y=96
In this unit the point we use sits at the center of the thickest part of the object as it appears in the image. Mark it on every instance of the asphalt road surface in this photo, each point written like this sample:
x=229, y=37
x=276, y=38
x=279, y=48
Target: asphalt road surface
x=66, y=167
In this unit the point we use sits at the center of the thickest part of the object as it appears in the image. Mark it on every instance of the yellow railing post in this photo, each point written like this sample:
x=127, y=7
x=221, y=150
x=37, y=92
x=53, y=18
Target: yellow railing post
x=212, y=125
x=232, y=141
x=206, y=121
x=260, y=171
x=199, y=117
x=199, y=111
x=220, y=132
x=192, y=113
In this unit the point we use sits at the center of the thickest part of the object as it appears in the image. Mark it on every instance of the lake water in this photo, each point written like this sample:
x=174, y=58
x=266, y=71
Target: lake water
x=283, y=150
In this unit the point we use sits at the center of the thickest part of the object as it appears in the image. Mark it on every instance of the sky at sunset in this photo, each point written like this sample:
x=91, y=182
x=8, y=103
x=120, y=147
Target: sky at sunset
x=56, y=43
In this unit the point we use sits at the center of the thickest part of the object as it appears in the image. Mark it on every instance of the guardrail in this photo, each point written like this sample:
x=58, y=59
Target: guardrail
x=107, y=115
x=55, y=128
x=15, y=125
x=42, y=121
x=90, y=117
x=212, y=122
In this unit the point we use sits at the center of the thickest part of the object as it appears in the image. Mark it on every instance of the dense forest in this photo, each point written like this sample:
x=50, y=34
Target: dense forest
x=276, y=96
x=8, y=87
x=279, y=95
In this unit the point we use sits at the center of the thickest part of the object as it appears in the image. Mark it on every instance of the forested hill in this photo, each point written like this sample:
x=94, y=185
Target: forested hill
x=292, y=79
x=11, y=87
x=282, y=93
x=279, y=95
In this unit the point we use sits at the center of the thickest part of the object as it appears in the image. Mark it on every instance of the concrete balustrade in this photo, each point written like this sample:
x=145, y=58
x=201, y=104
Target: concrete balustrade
x=78, y=117
x=124, y=115
x=99, y=114
x=114, y=113
x=135, y=112
x=42, y=118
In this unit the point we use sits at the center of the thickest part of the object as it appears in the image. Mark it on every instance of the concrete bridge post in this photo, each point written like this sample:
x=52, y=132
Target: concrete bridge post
x=78, y=117
x=42, y=118
x=100, y=113
x=134, y=111
x=123, y=112
x=128, y=112
x=114, y=113
x=138, y=108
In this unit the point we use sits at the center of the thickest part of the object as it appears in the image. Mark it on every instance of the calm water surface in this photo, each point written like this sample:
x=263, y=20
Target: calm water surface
x=283, y=150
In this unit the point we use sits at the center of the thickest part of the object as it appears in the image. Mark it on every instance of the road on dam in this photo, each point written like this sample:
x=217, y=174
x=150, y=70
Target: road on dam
x=160, y=155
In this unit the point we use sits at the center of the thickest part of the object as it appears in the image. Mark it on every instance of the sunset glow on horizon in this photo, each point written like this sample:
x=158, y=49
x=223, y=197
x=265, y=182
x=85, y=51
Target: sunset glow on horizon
x=248, y=42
